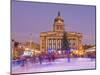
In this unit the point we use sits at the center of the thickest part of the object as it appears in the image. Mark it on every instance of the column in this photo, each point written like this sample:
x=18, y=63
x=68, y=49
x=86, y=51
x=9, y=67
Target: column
x=46, y=44
x=56, y=44
x=60, y=44
x=52, y=43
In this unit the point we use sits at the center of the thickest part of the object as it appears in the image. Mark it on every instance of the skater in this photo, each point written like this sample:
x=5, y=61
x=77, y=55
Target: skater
x=49, y=57
x=53, y=56
x=22, y=60
x=40, y=58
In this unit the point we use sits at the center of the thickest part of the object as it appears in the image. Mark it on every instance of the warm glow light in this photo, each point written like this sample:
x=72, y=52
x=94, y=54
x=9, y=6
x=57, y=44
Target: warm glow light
x=76, y=52
x=26, y=48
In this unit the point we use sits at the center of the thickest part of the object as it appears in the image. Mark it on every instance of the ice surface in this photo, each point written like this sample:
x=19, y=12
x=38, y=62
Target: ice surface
x=57, y=65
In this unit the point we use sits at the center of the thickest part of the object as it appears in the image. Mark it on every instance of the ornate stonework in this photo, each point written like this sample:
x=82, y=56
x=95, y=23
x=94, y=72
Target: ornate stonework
x=52, y=39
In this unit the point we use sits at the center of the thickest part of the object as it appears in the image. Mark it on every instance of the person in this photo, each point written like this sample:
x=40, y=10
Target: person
x=53, y=56
x=68, y=55
x=40, y=58
x=34, y=59
x=49, y=57
x=22, y=60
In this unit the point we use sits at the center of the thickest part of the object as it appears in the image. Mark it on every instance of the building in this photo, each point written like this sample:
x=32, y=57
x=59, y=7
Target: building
x=52, y=40
x=32, y=45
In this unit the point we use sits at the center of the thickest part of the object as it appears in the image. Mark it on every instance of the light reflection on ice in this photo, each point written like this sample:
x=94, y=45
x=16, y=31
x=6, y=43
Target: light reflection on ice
x=57, y=65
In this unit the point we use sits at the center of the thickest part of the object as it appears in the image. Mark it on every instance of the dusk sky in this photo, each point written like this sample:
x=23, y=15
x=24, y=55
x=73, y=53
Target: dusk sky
x=31, y=17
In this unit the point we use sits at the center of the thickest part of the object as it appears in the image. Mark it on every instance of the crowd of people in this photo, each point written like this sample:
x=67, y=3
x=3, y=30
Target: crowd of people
x=40, y=58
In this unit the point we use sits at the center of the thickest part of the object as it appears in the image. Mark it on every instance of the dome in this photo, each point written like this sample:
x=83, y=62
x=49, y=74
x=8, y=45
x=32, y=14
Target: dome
x=58, y=23
x=59, y=17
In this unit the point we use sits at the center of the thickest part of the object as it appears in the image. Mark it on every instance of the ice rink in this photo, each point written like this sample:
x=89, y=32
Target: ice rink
x=57, y=65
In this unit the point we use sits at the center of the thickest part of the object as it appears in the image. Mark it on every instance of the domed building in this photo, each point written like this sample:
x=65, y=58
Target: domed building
x=52, y=40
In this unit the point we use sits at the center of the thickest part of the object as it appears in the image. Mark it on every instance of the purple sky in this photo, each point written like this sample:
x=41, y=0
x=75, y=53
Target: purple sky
x=30, y=17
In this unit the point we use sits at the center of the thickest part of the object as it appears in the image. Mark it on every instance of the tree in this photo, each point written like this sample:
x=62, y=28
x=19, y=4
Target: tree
x=16, y=44
x=65, y=45
x=65, y=42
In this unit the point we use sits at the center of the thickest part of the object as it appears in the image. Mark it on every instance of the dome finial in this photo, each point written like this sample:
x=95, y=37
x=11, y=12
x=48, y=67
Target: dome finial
x=58, y=13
